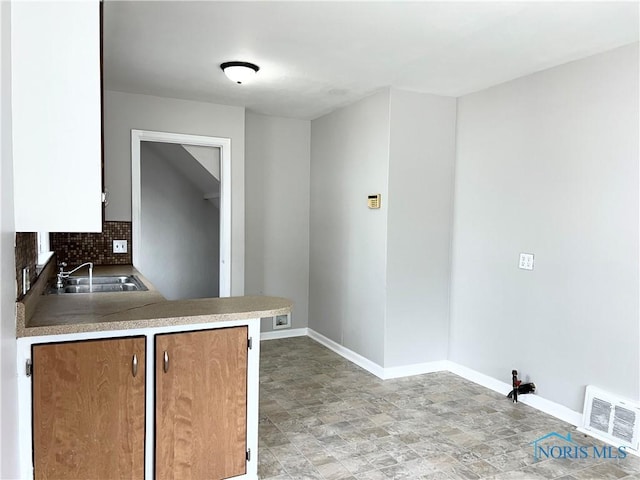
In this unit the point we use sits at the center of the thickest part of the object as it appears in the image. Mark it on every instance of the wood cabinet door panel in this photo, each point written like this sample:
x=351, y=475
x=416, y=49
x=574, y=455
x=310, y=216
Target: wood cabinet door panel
x=89, y=409
x=201, y=404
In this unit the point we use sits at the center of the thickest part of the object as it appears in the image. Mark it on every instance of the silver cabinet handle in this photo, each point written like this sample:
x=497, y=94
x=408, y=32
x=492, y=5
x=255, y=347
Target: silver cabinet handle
x=134, y=365
x=165, y=363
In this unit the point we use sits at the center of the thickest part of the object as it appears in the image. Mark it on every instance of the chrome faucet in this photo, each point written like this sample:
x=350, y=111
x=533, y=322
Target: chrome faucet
x=62, y=274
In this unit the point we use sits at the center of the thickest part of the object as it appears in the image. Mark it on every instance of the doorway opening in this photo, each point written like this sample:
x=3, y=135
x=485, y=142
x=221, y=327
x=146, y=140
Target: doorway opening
x=181, y=212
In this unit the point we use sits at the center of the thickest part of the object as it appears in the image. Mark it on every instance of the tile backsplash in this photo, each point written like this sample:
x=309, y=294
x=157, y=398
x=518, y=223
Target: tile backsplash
x=74, y=249
x=26, y=256
x=77, y=248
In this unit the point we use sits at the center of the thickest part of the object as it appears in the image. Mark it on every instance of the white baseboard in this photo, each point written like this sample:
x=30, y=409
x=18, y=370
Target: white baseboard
x=285, y=333
x=414, y=369
x=479, y=378
x=552, y=408
x=350, y=355
x=539, y=403
x=374, y=368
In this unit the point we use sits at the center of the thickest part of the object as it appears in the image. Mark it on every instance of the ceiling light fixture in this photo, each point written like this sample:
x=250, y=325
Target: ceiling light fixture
x=239, y=72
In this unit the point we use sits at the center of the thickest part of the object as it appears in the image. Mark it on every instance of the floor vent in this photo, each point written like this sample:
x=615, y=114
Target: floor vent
x=611, y=418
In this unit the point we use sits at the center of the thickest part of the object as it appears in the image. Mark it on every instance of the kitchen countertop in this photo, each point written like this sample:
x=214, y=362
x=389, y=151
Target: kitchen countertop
x=92, y=312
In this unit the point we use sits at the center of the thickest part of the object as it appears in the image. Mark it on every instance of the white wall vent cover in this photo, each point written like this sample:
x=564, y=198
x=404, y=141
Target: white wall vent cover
x=612, y=419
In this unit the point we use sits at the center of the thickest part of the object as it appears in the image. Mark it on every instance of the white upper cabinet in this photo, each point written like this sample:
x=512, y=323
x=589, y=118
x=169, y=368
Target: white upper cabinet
x=56, y=116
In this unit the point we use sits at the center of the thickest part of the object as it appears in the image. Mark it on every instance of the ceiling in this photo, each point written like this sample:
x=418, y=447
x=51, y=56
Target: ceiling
x=315, y=57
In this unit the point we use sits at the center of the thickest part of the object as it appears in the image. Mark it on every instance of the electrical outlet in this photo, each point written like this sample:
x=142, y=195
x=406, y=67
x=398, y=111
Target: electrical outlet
x=119, y=246
x=26, y=281
x=526, y=261
x=282, y=321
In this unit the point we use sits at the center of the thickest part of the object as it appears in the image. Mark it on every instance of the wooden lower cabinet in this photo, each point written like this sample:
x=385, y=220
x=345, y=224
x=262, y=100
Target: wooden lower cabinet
x=89, y=409
x=201, y=404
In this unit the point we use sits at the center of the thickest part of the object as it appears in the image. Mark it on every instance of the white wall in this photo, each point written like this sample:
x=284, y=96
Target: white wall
x=8, y=371
x=179, y=231
x=347, y=286
x=548, y=164
x=277, y=179
x=421, y=167
x=208, y=157
x=125, y=111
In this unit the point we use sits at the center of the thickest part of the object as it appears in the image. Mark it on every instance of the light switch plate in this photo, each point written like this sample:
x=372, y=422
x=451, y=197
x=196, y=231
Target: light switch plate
x=526, y=261
x=119, y=246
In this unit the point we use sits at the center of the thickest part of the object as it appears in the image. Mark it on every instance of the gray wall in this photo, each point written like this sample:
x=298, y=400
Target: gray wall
x=125, y=111
x=277, y=211
x=421, y=166
x=548, y=164
x=9, y=467
x=180, y=231
x=350, y=160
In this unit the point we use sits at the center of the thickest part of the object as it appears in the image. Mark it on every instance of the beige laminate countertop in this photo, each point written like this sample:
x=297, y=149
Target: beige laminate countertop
x=92, y=312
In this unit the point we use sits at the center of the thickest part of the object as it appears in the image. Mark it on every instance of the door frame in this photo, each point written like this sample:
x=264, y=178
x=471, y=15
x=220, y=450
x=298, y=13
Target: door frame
x=224, y=144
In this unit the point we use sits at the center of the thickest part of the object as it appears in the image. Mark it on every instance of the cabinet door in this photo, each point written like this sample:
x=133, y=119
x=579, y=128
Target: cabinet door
x=56, y=116
x=89, y=409
x=201, y=404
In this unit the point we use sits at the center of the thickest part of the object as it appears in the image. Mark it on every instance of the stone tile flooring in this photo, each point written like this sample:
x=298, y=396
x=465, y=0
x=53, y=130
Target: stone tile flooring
x=322, y=417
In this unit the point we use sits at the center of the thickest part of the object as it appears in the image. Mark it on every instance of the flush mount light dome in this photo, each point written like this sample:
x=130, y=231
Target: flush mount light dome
x=239, y=72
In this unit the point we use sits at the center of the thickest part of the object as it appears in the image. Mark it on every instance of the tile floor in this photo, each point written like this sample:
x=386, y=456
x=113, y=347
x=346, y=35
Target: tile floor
x=322, y=417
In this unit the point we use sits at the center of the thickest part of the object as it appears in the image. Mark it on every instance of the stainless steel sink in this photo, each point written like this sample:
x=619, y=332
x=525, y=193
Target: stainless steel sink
x=108, y=287
x=115, y=283
x=106, y=280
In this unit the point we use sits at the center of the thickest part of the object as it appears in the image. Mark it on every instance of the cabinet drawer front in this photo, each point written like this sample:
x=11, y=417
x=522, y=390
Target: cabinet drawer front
x=201, y=404
x=89, y=409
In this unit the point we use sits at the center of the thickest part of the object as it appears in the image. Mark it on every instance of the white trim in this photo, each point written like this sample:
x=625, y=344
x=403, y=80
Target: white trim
x=224, y=144
x=44, y=250
x=539, y=403
x=350, y=355
x=43, y=258
x=294, y=332
x=552, y=408
x=253, y=401
x=374, y=368
x=414, y=369
x=479, y=378
x=274, y=321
